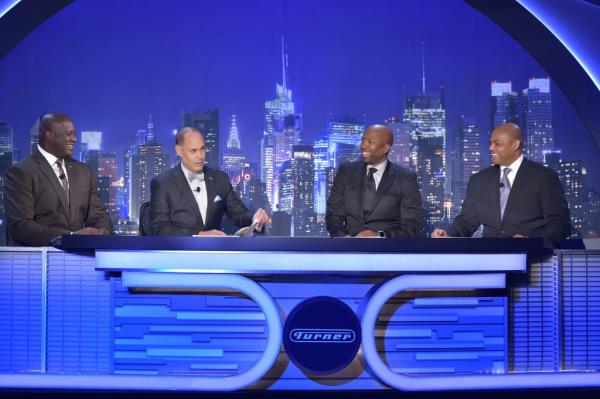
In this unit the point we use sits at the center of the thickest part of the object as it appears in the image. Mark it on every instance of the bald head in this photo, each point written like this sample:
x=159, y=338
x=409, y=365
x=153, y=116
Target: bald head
x=505, y=144
x=57, y=134
x=376, y=144
x=384, y=132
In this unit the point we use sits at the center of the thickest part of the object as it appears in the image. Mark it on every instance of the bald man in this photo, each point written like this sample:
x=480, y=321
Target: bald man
x=49, y=194
x=373, y=197
x=514, y=197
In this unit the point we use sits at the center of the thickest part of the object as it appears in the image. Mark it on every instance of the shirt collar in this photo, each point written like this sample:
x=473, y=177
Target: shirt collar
x=514, y=166
x=187, y=172
x=380, y=166
x=49, y=157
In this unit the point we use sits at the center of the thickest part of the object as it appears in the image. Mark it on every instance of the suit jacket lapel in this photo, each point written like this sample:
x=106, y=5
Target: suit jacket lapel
x=495, y=188
x=520, y=181
x=361, y=177
x=183, y=188
x=209, y=182
x=47, y=171
x=384, y=184
x=74, y=181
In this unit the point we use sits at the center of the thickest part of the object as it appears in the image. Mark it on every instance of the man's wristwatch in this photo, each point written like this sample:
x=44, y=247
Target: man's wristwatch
x=382, y=234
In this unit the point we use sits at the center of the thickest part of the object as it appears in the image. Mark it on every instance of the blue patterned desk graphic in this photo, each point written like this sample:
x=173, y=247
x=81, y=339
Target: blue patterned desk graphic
x=207, y=314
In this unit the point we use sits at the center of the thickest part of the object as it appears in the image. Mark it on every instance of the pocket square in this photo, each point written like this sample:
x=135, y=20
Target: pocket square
x=217, y=199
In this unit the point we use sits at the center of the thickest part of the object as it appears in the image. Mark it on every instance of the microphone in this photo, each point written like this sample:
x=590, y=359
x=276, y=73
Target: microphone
x=501, y=185
x=62, y=176
x=197, y=189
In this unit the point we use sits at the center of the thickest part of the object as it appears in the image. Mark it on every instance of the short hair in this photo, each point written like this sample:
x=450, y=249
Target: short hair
x=48, y=122
x=180, y=135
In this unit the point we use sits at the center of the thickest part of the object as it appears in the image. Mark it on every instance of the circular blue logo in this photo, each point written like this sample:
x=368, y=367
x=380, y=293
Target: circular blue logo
x=321, y=335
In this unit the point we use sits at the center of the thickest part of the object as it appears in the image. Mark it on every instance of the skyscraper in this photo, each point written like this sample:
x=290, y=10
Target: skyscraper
x=572, y=178
x=146, y=162
x=344, y=133
x=400, y=152
x=252, y=191
x=281, y=132
x=234, y=157
x=504, y=104
x=465, y=160
x=6, y=161
x=6, y=137
x=304, y=217
x=321, y=156
x=426, y=115
x=537, y=115
x=107, y=168
x=208, y=123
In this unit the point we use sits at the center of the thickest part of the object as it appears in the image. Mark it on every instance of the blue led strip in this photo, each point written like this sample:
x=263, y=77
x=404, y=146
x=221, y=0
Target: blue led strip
x=6, y=6
x=547, y=12
x=474, y=381
x=302, y=262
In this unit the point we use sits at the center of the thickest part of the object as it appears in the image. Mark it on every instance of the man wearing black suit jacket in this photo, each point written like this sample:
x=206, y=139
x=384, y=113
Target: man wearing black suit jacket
x=373, y=197
x=513, y=198
x=49, y=194
x=191, y=198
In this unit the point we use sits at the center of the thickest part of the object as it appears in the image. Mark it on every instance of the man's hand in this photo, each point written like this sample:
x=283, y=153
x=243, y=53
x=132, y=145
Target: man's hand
x=260, y=218
x=367, y=233
x=92, y=231
x=439, y=233
x=212, y=233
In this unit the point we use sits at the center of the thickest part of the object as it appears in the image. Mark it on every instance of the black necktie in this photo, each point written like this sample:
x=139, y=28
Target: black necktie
x=370, y=191
x=63, y=179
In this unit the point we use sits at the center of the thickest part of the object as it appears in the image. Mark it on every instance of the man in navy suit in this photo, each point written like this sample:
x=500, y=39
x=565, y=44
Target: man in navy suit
x=49, y=194
x=191, y=198
x=373, y=197
x=513, y=198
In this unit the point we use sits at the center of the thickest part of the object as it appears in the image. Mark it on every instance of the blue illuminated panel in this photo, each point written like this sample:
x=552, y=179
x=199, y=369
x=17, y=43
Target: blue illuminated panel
x=534, y=318
x=209, y=335
x=581, y=311
x=79, y=316
x=445, y=335
x=21, y=293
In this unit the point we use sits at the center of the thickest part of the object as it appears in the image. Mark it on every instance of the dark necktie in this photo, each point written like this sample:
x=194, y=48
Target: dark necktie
x=504, y=191
x=63, y=179
x=370, y=191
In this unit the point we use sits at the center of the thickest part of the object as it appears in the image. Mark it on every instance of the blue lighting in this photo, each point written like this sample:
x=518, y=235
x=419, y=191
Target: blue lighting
x=210, y=262
x=7, y=5
x=562, y=18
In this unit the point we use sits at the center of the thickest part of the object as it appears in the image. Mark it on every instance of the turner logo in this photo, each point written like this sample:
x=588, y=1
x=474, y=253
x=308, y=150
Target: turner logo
x=322, y=335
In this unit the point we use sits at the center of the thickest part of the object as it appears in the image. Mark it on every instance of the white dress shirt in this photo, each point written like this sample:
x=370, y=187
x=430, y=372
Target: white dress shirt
x=201, y=197
x=52, y=161
x=379, y=174
x=514, y=167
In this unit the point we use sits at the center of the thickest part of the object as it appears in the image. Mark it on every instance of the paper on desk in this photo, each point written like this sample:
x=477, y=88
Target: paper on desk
x=246, y=231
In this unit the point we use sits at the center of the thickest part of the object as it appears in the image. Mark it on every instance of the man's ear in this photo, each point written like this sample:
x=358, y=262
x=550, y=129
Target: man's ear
x=178, y=150
x=517, y=145
x=387, y=148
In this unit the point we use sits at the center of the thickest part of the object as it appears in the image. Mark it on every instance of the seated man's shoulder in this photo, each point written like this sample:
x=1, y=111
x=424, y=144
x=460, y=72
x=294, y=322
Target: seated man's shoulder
x=348, y=167
x=216, y=174
x=402, y=171
x=165, y=177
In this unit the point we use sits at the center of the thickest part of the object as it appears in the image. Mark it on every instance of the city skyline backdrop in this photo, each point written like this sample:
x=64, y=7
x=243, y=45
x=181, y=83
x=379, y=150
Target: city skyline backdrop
x=109, y=70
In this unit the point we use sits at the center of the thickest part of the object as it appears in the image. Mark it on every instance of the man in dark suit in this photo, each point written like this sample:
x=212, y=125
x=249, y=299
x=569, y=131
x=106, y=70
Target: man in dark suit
x=191, y=198
x=49, y=194
x=513, y=198
x=374, y=197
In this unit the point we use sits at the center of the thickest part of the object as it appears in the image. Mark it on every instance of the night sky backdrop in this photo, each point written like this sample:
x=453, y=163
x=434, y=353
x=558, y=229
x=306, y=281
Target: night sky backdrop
x=110, y=63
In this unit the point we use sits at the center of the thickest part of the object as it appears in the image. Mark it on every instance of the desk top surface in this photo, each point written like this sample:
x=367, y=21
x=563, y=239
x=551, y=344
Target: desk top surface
x=303, y=244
